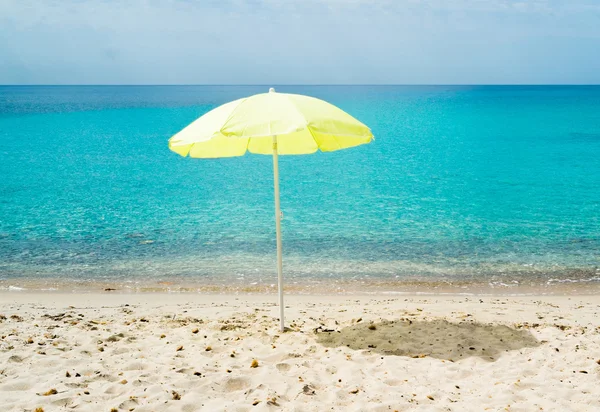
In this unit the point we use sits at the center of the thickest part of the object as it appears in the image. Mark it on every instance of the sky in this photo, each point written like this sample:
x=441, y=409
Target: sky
x=300, y=42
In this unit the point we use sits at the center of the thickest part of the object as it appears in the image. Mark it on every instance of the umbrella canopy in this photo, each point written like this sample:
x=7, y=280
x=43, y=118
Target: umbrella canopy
x=271, y=123
x=302, y=125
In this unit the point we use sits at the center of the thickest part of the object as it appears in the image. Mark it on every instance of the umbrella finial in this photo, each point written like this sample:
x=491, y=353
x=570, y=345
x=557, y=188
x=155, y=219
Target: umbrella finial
x=271, y=90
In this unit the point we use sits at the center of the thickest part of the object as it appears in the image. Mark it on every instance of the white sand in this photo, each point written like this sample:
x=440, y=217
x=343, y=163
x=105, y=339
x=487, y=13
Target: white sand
x=429, y=353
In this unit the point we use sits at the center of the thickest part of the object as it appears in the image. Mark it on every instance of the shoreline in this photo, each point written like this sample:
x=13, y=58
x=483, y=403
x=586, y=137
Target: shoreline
x=320, y=287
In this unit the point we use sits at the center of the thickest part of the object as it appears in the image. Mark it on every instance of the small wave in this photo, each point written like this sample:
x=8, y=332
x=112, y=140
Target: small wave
x=512, y=284
x=418, y=293
x=551, y=281
x=15, y=288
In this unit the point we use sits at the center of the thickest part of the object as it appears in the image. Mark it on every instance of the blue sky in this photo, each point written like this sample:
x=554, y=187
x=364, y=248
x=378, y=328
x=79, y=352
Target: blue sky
x=299, y=41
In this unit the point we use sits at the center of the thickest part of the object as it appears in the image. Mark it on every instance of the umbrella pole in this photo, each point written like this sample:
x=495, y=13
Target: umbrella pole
x=278, y=229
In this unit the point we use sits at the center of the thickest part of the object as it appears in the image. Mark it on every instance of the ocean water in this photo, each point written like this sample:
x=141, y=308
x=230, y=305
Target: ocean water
x=464, y=185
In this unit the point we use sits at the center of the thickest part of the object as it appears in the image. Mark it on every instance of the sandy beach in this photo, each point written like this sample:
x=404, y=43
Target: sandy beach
x=192, y=352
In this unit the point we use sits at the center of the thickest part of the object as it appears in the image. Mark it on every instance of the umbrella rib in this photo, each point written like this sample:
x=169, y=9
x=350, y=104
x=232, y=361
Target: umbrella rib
x=243, y=100
x=231, y=114
x=306, y=123
x=335, y=137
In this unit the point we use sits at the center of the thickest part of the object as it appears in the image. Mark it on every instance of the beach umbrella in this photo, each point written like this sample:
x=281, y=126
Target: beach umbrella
x=271, y=124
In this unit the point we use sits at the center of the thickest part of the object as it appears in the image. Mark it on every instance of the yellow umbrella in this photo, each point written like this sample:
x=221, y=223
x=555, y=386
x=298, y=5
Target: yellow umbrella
x=271, y=123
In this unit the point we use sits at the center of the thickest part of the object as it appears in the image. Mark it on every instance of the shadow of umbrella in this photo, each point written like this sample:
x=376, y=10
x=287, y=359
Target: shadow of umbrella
x=437, y=339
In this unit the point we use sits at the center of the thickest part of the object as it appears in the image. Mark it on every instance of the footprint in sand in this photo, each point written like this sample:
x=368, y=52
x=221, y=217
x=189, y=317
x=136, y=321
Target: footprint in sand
x=236, y=384
x=120, y=351
x=129, y=404
x=135, y=366
x=283, y=367
x=22, y=385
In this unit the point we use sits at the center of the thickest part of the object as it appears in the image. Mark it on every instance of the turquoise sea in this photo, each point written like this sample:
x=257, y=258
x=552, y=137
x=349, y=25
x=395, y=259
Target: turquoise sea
x=464, y=185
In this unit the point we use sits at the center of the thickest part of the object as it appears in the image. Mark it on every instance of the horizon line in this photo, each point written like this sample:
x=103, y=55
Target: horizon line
x=297, y=84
